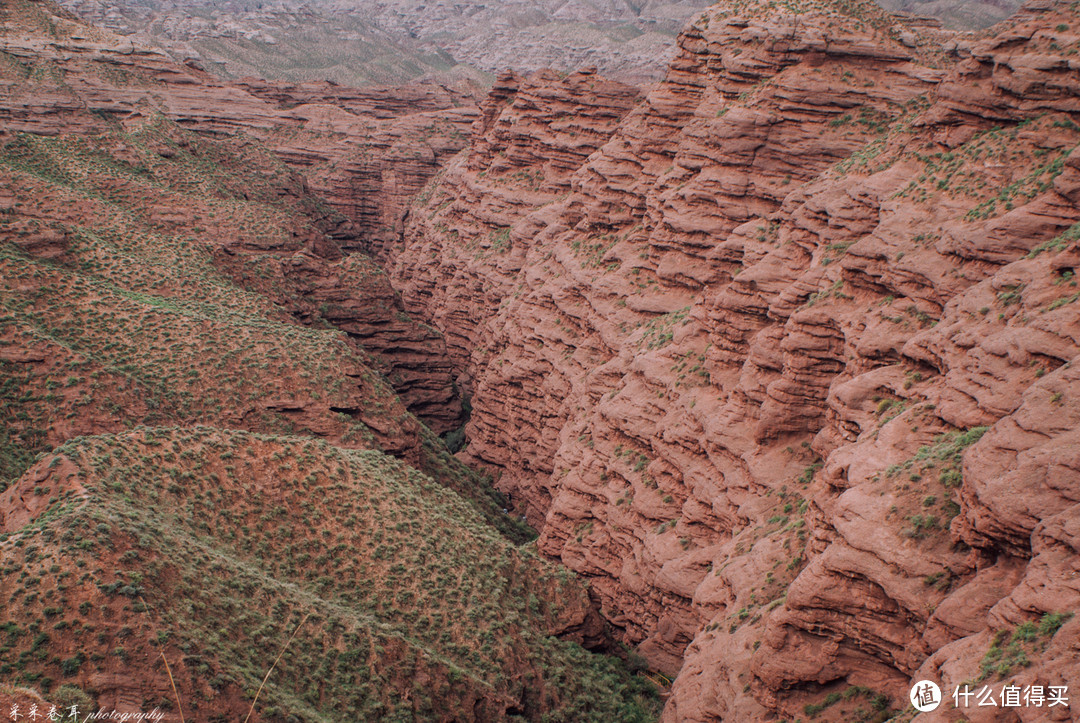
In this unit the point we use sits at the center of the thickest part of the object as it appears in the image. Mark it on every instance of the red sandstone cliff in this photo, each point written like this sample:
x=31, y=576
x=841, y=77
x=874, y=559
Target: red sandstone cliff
x=786, y=366
x=465, y=248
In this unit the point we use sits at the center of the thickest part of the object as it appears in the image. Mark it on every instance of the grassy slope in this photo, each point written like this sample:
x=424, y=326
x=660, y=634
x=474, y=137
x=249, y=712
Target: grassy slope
x=137, y=302
x=232, y=538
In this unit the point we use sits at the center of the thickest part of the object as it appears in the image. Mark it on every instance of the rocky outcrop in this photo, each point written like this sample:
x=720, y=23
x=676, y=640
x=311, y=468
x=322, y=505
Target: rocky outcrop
x=465, y=244
x=354, y=295
x=772, y=373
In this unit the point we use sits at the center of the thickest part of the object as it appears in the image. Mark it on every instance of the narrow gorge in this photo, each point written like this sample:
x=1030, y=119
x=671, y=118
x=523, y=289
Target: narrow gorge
x=777, y=357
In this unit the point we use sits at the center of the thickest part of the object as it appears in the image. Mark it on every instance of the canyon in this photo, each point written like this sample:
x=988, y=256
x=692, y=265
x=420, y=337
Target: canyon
x=777, y=356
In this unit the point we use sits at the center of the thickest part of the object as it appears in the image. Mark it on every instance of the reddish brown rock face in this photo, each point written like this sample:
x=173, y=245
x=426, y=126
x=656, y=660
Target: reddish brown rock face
x=784, y=366
x=467, y=236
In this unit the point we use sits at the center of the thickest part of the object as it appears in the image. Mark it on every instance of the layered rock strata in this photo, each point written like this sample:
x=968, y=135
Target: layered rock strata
x=785, y=368
x=466, y=240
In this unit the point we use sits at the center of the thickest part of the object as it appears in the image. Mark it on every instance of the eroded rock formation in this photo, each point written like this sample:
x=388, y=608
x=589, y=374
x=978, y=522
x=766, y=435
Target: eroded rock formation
x=785, y=366
x=204, y=477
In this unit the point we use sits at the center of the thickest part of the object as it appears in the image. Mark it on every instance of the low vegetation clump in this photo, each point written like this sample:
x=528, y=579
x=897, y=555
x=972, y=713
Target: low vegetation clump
x=1015, y=649
x=925, y=486
x=966, y=172
x=660, y=331
x=860, y=704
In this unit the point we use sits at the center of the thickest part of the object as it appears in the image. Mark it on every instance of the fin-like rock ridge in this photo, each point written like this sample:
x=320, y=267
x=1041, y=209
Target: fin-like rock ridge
x=785, y=366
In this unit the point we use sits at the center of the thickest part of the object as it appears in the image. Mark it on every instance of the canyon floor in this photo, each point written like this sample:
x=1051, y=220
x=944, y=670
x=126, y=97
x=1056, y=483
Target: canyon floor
x=748, y=395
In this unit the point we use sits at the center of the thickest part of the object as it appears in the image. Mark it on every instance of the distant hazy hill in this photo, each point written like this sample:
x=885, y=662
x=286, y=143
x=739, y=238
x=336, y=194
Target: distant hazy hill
x=393, y=41
x=957, y=14
x=279, y=40
x=362, y=42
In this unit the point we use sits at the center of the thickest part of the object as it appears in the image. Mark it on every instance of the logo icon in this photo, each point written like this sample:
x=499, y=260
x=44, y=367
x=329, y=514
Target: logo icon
x=925, y=696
